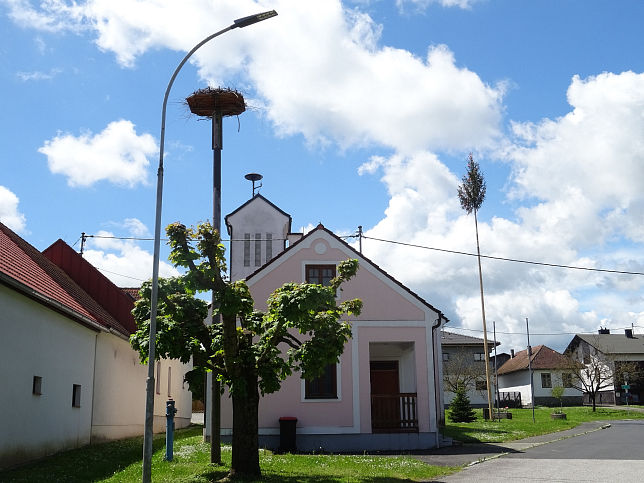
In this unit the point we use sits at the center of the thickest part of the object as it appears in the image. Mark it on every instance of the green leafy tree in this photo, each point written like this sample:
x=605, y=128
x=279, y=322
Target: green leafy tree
x=250, y=352
x=460, y=410
x=471, y=194
x=558, y=392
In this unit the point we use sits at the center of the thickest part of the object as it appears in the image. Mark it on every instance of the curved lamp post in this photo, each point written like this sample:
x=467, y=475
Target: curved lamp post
x=149, y=402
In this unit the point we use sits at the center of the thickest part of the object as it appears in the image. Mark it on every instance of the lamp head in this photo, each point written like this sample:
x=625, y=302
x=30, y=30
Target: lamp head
x=251, y=19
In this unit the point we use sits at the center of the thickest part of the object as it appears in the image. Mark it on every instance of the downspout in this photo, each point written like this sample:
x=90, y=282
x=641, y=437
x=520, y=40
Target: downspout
x=437, y=393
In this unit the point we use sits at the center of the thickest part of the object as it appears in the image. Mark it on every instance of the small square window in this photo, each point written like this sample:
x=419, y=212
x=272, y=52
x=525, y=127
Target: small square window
x=481, y=385
x=320, y=274
x=546, y=380
x=76, y=396
x=479, y=356
x=37, y=386
x=445, y=357
x=323, y=387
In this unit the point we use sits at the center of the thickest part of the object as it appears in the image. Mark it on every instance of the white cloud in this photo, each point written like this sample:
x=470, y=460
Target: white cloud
x=38, y=75
x=9, y=213
x=358, y=91
x=117, y=154
x=124, y=262
x=596, y=152
x=49, y=16
x=423, y=4
x=590, y=216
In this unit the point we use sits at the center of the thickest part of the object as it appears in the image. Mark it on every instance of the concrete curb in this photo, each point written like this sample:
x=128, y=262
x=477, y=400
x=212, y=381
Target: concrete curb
x=541, y=443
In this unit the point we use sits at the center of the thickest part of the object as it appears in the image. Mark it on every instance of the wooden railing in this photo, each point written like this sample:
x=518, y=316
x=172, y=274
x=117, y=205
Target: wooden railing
x=394, y=413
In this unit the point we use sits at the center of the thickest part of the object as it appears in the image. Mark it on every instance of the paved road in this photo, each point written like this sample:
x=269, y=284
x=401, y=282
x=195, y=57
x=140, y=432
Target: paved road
x=612, y=454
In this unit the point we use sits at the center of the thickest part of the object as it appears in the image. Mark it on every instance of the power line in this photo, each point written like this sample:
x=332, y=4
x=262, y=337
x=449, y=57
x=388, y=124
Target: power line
x=535, y=333
x=120, y=274
x=515, y=260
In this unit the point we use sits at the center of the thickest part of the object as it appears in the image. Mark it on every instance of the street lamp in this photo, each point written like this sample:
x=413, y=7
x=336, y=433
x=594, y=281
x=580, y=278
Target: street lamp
x=149, y=402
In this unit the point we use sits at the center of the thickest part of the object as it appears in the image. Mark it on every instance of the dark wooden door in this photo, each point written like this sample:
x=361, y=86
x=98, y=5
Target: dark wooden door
x=385, y=391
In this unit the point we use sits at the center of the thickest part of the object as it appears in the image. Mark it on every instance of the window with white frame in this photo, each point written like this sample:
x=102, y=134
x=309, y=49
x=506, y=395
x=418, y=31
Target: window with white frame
x=323, y=387
x=479, y=356
x=546, y=380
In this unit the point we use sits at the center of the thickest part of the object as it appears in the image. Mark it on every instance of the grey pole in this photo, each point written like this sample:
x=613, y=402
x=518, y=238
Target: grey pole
x=529, y=351
x=146, y=476
x=496, y=373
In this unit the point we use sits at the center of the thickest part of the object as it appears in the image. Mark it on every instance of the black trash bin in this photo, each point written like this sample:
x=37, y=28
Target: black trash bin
x=287, y=434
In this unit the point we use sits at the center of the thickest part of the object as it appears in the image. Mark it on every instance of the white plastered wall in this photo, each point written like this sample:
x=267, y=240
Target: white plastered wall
x=37, y=341
x=119, y=402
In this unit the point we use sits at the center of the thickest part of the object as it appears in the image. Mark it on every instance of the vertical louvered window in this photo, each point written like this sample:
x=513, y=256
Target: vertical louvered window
x=247, y=249
x=269, y=246
x=258, y=249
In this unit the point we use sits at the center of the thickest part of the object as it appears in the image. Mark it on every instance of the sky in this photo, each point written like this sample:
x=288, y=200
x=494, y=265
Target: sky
x=360, y=113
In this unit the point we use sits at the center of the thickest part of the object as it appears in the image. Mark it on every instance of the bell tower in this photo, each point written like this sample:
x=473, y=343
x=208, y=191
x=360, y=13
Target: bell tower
x=258, y=232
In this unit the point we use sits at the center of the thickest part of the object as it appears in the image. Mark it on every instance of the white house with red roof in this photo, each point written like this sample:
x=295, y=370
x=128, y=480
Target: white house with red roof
x=68, y=372
x=549, y=369
x=385, y=393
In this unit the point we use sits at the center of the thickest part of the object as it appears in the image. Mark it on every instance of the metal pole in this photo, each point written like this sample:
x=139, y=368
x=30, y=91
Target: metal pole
x=146, y=475
x=529, y=352
x=496, y=373
x=360, y=237
x=215, y=397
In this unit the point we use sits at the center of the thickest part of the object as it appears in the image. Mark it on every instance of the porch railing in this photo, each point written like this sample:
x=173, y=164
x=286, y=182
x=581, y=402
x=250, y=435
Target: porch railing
x=394, y=413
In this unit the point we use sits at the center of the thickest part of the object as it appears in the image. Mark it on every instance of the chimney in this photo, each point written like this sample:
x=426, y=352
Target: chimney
x=603, y=330
x=511, y=353
x=629, y=333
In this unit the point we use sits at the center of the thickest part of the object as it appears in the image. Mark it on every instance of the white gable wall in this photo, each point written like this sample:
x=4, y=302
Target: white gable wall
x=250, y=229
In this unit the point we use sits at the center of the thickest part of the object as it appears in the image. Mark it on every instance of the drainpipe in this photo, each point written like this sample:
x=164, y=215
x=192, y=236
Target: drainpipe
x=437, y=393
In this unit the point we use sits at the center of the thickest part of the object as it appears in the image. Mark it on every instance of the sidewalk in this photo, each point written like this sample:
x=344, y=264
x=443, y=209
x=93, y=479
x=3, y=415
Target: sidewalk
x=477, y=452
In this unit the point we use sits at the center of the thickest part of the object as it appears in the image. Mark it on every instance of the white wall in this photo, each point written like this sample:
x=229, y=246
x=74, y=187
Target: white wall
x=37, y=341
x=256, y=217
x=520, y=382
x=517, y=382
x=119, y=402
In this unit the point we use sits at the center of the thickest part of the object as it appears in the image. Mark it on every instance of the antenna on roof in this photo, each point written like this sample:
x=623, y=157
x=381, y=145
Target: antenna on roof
x=254, y=177
x=83, y=238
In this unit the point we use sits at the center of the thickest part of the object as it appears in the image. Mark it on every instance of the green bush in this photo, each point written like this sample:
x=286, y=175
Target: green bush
x=460, y=409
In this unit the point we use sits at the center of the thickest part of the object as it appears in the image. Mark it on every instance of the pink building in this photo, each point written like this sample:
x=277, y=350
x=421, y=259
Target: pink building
x=386, y=391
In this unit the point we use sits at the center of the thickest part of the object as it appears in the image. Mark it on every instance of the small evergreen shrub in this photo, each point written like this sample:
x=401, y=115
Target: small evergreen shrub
x=460, y=409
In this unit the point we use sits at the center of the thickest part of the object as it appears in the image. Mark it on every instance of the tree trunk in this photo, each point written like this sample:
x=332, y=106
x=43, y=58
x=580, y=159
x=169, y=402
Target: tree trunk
x=245, y=460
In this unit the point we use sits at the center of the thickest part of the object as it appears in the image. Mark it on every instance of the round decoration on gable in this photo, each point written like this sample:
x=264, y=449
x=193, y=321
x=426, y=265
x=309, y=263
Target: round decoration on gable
x=206, y=102
x=320, y=248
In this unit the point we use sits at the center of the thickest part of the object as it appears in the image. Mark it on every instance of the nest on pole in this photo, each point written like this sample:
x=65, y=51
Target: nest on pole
x=206, y=102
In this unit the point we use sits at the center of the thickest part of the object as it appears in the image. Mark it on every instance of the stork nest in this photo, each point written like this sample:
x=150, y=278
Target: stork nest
x=206, y=102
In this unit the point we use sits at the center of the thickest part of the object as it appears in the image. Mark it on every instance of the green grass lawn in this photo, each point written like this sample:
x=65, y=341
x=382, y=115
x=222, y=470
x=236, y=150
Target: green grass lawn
x=521, y=425
x=120, y=461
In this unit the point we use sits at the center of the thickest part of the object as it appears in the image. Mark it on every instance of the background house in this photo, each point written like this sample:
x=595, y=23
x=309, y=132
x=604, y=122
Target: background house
x=69, y=375
x=549, y=367
x=463, y=361
x=385, y=392
x=616, y=359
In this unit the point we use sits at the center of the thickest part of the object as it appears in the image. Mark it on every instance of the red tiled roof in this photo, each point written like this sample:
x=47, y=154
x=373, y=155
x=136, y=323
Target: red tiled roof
x=24, y=264
x=543, y=357
x=132, y=292
x=107, y=302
